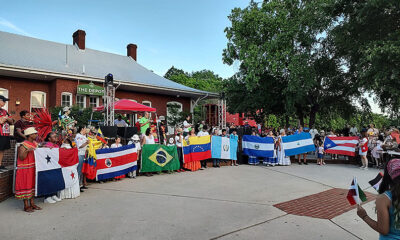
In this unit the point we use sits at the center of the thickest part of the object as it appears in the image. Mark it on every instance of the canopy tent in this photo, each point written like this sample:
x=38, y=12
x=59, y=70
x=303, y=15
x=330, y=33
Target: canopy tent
x=127, y=106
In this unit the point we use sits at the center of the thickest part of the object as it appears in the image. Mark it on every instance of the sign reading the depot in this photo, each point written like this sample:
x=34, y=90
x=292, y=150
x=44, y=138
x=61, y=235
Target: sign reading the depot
x=90, y=89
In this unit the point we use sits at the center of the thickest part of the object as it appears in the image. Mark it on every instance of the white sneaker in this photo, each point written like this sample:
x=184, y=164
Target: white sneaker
x=49, y=200
x=55, y=198
x=366, y=168
x=362, y=167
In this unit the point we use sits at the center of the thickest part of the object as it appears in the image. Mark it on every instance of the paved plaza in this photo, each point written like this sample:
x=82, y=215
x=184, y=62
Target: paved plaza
x=224, y=203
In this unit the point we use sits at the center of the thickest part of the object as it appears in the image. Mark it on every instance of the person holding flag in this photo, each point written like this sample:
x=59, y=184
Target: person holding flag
x=387, y=204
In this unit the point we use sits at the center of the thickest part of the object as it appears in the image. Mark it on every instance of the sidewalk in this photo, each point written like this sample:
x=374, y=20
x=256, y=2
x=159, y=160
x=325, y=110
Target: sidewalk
x=223, y=203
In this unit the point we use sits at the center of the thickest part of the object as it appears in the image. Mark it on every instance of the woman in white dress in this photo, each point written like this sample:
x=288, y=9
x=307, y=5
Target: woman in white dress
x=74, y=191
x=282, y=159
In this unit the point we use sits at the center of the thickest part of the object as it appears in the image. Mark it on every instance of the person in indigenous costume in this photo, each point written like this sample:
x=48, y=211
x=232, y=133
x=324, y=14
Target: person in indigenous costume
x=25, y=174
x=271, y=161
x=51, y=142
x=195, y=165
x=66, y=121
x=282, y=159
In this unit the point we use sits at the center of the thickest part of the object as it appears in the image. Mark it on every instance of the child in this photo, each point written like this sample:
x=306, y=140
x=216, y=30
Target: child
x=363, y=145
x=376, y=152
x=320, y=160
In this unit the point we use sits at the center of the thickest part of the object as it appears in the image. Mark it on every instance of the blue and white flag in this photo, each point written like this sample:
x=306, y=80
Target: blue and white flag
x=298, y=144
x=258, y=146
x=223, y=148
x=56, y=169
x=234, y=146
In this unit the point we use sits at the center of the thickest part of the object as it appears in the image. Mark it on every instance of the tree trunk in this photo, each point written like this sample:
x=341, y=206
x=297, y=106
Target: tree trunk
x=313, y=114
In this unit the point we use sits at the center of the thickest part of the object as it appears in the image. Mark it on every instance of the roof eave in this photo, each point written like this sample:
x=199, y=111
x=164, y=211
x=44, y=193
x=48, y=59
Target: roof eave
x=39, y=72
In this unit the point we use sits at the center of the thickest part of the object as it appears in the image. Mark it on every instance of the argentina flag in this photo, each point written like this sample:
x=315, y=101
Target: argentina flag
x=298, y=144
x=258, y=146
x=223, y=147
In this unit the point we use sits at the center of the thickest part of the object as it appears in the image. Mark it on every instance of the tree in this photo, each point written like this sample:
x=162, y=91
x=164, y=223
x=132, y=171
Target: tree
x=205, y=80
x=366, y=37
x=281, y=49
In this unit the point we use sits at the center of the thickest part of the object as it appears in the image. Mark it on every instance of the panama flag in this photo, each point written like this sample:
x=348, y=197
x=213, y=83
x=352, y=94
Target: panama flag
x=223, y=147
x=355, y=194
x=298, y=144
x=113, y=162
x=56, y=169
x=258, y=146
x=198, y=148
x=341, y=145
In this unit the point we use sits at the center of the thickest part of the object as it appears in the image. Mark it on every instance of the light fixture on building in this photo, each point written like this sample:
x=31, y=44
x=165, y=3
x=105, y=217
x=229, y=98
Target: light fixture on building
x=109, y=80
x=18, y=102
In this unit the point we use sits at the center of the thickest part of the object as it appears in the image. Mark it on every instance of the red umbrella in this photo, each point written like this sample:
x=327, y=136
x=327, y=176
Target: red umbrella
x=126, y=105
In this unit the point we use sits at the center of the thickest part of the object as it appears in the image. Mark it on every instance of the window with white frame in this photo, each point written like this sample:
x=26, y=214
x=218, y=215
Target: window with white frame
x=66, y=99
x=173, y=110
x=81, y=101
x=4, y=92
x=93, y=102
x=38, y=99
x=147, y=103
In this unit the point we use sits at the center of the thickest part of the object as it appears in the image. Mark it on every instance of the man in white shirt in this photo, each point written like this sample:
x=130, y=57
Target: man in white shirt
x=186, y=126
x=203, y=132
x=353, y=131
x=120, y=122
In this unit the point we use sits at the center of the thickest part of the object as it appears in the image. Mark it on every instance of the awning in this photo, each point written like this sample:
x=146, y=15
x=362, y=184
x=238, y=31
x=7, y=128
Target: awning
x=126, y=106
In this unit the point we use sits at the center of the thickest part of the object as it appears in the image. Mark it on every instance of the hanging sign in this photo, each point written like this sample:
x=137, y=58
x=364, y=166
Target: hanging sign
x=90, y=89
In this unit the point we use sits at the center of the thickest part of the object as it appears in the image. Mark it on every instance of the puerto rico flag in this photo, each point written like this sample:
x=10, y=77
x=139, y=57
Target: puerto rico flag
x=114, y=162
x=56, y=169
x=258, y=146
x=198, y=148
x=341, y=145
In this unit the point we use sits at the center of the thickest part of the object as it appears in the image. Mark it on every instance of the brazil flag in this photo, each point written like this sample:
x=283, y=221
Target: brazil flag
x=157, y=157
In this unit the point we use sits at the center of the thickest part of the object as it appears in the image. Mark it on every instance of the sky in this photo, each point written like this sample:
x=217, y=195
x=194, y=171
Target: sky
x=186, y=34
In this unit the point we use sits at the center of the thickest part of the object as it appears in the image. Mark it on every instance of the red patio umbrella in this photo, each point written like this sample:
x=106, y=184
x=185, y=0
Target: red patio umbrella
x=126, y=106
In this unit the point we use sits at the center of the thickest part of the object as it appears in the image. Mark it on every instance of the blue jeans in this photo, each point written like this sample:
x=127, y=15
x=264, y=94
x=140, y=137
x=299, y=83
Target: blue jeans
x=216, y=162
x=79, y=169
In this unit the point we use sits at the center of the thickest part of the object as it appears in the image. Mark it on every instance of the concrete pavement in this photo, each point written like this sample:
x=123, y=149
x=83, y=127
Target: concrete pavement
x=223, y=203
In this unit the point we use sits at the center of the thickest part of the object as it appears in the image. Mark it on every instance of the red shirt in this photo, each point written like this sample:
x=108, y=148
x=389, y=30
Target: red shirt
x=5, y=127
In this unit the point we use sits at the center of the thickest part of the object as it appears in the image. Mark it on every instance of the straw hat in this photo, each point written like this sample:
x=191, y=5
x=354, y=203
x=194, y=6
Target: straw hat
x=29, y=131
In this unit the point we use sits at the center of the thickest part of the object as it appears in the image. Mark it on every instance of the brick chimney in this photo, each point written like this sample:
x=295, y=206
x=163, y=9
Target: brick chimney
x=132, y=51
x=79, y=38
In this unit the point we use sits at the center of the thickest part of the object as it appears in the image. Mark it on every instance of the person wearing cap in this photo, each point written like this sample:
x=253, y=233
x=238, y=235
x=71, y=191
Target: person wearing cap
x=135, y=140
x=5, y=122
x=387, y=207
x=25, y=174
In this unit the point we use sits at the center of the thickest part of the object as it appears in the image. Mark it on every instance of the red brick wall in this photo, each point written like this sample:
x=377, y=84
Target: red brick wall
x=6, y=180
x=20, y=89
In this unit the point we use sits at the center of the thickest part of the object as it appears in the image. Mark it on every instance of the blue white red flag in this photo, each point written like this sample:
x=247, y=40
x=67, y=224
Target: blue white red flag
x=113, y=162
x=298, y=144
x=56, y=169
x=258, y=146
x=341, y=145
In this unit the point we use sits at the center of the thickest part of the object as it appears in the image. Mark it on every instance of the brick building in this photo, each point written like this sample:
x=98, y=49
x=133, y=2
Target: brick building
x=36, y=73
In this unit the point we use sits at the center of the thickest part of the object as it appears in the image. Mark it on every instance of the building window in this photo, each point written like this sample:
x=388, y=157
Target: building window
x=81, y=101
x=147, y=103
x=4, y=92
x=173, y=110
x=93, y=102
x=66, y=99
x=38, y=99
